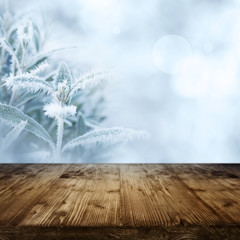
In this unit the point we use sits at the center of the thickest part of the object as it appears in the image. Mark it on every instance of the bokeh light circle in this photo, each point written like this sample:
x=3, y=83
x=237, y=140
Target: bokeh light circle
x=172, y=54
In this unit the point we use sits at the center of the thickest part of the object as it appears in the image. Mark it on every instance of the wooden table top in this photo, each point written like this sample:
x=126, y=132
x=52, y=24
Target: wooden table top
x=119, y=201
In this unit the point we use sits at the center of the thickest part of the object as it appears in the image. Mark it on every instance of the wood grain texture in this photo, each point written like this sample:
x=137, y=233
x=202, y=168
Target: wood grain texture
x=119, y=201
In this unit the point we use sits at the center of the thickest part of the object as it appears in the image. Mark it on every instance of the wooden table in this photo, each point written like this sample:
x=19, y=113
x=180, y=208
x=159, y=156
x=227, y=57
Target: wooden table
x=119, y=201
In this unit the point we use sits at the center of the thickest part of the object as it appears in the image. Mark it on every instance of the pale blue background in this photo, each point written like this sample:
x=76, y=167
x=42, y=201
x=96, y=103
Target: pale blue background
x=193, y=116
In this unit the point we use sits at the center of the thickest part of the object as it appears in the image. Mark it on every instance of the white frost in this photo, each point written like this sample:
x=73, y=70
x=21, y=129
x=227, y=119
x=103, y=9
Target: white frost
x=56, y=110
x=25, y=31
x=106, y=135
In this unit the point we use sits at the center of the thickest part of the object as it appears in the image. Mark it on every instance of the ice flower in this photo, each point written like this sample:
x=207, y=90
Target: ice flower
x=57, y=110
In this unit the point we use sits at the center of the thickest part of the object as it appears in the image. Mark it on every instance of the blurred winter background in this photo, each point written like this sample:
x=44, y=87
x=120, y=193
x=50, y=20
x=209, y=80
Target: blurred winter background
x=176, y=70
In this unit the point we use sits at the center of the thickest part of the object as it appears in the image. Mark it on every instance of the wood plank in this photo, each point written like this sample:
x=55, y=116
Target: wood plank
x=214, y=189
x=87, y=195
x=119, y=201
x=18, y=198
x=123, y=233
x=153, y=197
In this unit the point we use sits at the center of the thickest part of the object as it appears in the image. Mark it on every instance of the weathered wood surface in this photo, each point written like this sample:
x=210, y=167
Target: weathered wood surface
x=119, y=201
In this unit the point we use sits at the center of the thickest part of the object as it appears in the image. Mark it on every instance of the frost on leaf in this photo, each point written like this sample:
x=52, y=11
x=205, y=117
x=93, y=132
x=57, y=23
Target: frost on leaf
x=56, y=110
x=62, y=92
x=25, y=32
x=63, y=75
x=13, y=134
x=39, y=68
x=87, y=80
x=8, y=48
x=12, y=116
x=30, y=82
x=105, y=135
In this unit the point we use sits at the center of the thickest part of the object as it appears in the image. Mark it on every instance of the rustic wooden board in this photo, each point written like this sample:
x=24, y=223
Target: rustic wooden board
x=119, y=201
